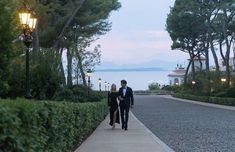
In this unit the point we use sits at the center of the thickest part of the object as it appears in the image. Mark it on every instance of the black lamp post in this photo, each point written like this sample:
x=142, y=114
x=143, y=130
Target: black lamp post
x=28, y=25
x=105, y=86
x=100, y=81
x=108, y=86
x=223, y=81
x=89, y=81
x=193, y=84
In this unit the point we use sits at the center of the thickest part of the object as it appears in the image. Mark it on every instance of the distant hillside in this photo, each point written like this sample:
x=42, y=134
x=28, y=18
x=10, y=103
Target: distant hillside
x=155, y=65
x=130, y=69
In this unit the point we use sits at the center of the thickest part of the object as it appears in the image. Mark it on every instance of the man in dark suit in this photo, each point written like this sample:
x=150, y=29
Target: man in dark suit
x=126, y=101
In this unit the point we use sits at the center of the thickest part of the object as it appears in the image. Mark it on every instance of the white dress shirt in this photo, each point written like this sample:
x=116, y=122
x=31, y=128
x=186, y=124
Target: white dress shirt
x=124, y=91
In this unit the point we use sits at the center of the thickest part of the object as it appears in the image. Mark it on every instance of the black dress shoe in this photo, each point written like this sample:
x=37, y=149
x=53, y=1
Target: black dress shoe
x=123, y=127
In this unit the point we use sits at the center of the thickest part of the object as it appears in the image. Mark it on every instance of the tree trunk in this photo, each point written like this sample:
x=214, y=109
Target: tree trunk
x=212, y=47
x=61, y=68
x=233, y=56
x=207, y=58
x=228, y=72
x=215, y=57
x=193, y=65
x=77, y=74
x=221, y=50
x=206, y=47
x=36, y=40
x=186, y=74
x=67, y=24
x=226, y=62
x=200, y=61
x=80, y=66
x=227, y=75
x=69, y=68
x=36, y=47
x=228, y=46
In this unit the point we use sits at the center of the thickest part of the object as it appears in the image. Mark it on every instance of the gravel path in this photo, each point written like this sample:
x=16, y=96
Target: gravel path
x=187, y=127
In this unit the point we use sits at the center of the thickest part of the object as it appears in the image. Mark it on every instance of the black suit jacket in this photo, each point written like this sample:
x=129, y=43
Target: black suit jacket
x=128, y=98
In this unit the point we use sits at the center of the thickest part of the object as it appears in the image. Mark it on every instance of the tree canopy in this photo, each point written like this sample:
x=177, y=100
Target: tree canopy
x=198, y=27
x=64, y=26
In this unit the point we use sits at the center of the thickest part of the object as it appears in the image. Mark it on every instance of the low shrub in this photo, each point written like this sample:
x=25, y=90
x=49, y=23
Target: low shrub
x=47, y=126
x=191, y=97
x=63, y=94
x=231, y=92
x=78, y=93
x=216, y=100
x=154, y=86
x=223, y=101
x=221, y=94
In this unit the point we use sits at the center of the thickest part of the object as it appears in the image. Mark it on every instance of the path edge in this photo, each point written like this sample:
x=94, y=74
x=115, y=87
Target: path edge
x=164, y=146
x=213, y=105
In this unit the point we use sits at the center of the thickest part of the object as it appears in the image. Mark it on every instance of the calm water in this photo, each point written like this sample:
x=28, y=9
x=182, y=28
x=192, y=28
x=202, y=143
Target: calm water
x=138, y=80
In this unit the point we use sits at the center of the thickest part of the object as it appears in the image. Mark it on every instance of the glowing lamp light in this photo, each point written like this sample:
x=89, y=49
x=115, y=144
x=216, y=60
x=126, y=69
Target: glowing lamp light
x=27, y=20
x=223, y=80
x=24, y=18
x=100, y=80
x=89, y=73
x=28, y=25
x=193, y=82
x=32, y=23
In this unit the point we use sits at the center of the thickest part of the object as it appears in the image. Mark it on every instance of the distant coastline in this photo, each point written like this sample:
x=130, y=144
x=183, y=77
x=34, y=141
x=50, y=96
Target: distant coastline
x=131, y=70
x=138, y=80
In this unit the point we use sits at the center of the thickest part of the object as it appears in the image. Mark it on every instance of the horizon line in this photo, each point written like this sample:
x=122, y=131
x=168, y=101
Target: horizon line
x=130, y=69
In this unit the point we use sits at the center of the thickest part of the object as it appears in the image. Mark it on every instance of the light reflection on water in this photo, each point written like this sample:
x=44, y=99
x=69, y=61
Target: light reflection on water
x=137, y=80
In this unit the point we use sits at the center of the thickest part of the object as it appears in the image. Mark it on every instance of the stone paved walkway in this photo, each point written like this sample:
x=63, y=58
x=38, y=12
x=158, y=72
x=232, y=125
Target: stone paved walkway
x=136, y=139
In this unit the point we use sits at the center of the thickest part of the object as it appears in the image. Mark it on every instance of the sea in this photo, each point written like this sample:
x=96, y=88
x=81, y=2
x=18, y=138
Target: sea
x=137, y=80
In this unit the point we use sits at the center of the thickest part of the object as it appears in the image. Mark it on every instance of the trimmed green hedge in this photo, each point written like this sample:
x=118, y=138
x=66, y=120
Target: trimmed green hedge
x=216, y=100
x=47, y=126
x=222, y=101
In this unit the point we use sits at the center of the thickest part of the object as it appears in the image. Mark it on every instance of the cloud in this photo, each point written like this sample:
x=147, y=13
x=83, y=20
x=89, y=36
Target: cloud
x=137, y=47
x=157, y=34
x=138, y=34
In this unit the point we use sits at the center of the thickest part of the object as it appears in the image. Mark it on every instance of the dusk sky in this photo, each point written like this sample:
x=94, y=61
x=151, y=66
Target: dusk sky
x=138, y=34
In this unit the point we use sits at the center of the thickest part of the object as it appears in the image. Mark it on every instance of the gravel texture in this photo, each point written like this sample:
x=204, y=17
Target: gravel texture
x=187, y=127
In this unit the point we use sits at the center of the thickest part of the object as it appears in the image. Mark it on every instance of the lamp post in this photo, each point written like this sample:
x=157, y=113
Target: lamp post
x=100, y=81
x=193, y=83
x=28, y=24
x=108, y=86
x=223, y=80
x=89, y=81
x=105, y=86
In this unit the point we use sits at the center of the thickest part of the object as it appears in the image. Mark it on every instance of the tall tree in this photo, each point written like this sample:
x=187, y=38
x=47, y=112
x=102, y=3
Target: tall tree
x=86, y=28
x=67, y=24
x=184, y=26
x=7, y=35
x=57, y=19
x=208, y=11
x=56, y=22
x=226, y=24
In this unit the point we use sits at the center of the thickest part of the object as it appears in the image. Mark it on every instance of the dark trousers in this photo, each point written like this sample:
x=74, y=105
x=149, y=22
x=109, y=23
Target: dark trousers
x=124, y=114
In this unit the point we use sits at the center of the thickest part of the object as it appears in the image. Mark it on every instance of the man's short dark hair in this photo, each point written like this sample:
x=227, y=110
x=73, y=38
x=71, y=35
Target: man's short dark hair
x=123, y=82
